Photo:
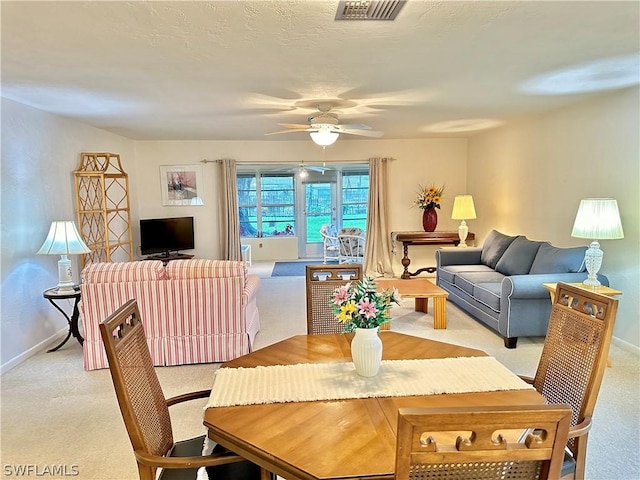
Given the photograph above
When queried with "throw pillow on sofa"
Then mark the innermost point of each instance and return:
(518, 257)
(494, 246)
(550, 259)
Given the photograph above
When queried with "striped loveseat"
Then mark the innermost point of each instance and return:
(193, 311)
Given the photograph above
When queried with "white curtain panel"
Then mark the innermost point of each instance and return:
(229, 219)
(377, 252)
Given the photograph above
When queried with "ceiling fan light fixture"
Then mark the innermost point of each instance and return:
(324, 137)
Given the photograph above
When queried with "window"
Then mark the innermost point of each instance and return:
(275, 201)
(266, 205)
(355, 195)
(247, 205)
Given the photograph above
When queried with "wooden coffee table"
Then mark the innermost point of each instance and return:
(422, 290)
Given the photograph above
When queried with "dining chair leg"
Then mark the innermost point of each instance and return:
(146, 473)
(581, 456)
(266, 474)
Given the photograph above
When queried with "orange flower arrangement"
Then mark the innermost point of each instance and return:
(429, 197)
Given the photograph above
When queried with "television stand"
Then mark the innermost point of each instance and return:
(167, 258)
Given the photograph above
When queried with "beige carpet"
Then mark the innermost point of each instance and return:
(54, 413)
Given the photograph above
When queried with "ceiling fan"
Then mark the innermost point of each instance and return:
(324, 128)
(303, 169)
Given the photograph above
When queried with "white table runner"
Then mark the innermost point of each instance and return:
(334, 381)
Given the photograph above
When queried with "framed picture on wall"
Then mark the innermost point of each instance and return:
(181, 184)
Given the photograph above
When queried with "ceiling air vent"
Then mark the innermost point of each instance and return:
(369, 9)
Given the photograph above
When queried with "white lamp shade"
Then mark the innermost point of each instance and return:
(63, 239)
(463, 208)
(197, 201)
(598, 218)
(324, 137)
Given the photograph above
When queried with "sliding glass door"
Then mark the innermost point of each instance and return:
(320, 207)
(285, 201)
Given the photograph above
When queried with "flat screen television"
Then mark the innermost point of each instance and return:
(166, 235)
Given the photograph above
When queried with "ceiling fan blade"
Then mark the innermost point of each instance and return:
(297, 130)
(317, 169)
(354, 126)
(299, 126)
(364, 133)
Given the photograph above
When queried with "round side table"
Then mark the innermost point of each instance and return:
(53, 296)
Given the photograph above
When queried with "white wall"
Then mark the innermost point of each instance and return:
(439, 161)
(528, 178)
(39, 154)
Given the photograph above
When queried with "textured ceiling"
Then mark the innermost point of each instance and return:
(233, 70)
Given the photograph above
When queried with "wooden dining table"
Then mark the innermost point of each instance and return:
(336, 439)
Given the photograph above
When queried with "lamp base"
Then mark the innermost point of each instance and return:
(65, 277)
(593, 262)
(463, 231)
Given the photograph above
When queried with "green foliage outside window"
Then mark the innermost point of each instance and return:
(274, 213)
(355, 198)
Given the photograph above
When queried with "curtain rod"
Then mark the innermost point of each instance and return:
(294, 162)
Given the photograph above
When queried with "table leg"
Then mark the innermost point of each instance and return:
(61, 343)
(439, 312)
(405, 261)
(72, 322)
(422, 305)
(75, 317)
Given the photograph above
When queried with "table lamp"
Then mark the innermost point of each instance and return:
(598, 219)
(463, 209)
(63, 239)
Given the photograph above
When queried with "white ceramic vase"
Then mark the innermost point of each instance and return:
(366, 351)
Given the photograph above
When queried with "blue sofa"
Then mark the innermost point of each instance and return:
(500, 284)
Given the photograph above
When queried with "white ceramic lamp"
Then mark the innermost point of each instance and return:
(598, 219)
(463, 209)
(63, 239)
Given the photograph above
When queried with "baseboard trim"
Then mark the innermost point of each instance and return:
(623, 344)
(43, 345)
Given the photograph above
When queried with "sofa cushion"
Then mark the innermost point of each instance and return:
(518, 257)
(203, 268)
(488, 294)
(467, 280)
(550, 259)
(448, 272)
(494, 246)
(123, 272)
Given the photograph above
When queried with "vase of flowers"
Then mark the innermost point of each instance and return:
(362, 309)
(366, 351)
(428, 200)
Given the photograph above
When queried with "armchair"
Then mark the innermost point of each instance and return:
(351, 241)
(330, 244)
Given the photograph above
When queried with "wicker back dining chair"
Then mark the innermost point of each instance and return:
(463, 443)
(573, 362)
(146, 414)
(321, 281)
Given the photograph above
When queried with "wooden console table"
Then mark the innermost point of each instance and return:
(424, 238)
